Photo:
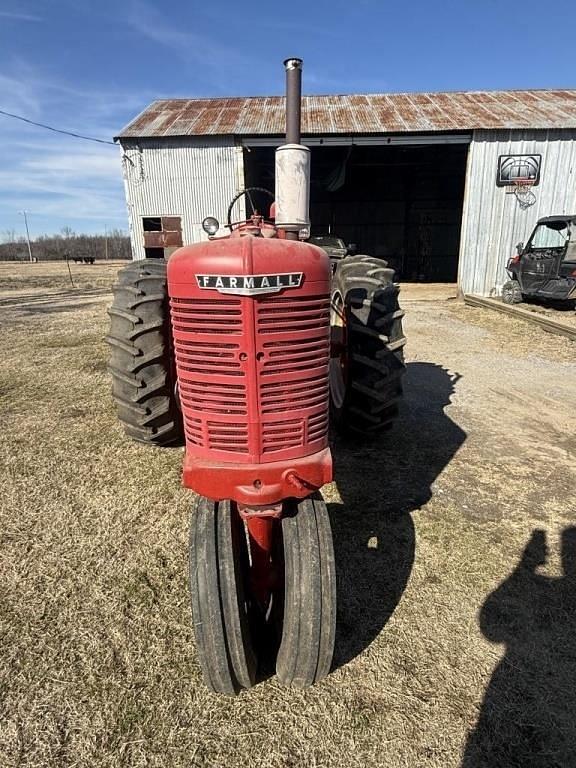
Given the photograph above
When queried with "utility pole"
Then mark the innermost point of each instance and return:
(27, 233)
(106, 243)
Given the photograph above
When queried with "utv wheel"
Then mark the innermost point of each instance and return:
(367, 365)
(220, 611)
(141, 361)
(309, 625)
(511, 293)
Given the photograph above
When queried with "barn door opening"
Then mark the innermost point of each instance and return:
(402, 203)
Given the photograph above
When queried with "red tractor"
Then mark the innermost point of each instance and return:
(239, 345)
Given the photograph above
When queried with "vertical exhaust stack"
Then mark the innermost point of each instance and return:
(293, 100)
(293, 161)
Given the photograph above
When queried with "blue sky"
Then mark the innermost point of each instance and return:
(90, 66)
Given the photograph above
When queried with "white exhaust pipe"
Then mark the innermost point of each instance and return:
(293, 162)
(293, 187)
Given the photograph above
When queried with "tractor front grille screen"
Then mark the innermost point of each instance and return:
(216, 315)
(211, 381)
(293, 372)
(253, 374)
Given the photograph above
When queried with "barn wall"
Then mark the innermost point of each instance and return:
(493, 221)
(191, 177)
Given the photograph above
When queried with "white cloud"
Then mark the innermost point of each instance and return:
(66, 184)
(219, 63)
(16, 16)
(93, 164)
(17, 96)
(61, 179)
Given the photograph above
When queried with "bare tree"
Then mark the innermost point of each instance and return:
(55, 247)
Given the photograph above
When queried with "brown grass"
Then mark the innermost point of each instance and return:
(50, 276)
(445, 628)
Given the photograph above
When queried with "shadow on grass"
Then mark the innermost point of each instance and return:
(528, 713)
(380, 485)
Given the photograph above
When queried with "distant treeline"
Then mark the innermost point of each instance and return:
(114, 245)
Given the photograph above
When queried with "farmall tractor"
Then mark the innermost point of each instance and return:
(242, 345)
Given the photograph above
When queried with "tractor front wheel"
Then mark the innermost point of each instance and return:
(309, 624)
(219, 570)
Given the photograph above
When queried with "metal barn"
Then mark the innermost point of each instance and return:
(428, 181)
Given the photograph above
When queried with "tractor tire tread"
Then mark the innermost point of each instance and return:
(131, 317)
(372, 389)
(140, 361)
(205, 596)
(221, 627)
(307, 645)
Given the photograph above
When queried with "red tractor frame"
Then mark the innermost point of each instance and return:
(242, 345)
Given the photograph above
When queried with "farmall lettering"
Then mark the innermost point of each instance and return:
(250, 285)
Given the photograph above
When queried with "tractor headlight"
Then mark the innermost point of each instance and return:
(210, 225)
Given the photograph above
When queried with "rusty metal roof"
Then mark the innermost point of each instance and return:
(371, 113)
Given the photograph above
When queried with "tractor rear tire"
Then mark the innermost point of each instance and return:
(366, 319)
(218, 569)
(141, 360)
(309, 625)
(511, 292)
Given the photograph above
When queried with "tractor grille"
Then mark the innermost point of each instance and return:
(294, 373)
(318, 426)
(210, 377)
(293, 395)
(206, 358)
(213, 398)
(280, 435)
(207, 316)
(228, 436)
(284, 315)
(288, 410)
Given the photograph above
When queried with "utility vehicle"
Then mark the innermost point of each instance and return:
(544, 268)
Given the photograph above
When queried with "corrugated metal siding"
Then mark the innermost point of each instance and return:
(191, 178)
(360, 113)
(493, 221)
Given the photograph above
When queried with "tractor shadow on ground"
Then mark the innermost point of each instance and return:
(380, 484)
(527, 716)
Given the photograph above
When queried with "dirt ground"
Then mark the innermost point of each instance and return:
(429, 291)
(455, 539)
(561, 312)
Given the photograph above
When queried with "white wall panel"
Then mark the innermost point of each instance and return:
(493, 221)
(188, 177)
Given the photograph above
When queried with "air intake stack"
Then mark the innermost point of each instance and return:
(293, 161)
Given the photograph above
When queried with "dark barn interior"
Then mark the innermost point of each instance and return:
(401, 203)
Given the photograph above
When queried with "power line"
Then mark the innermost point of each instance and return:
(56, 130)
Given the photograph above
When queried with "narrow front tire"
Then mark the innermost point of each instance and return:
(218, 589)
(309, 626)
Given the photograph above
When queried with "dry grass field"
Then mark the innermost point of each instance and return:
(455, 542)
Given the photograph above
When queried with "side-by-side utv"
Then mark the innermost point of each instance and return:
(242, 345)
(544, 268)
